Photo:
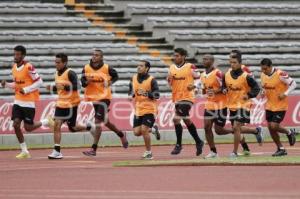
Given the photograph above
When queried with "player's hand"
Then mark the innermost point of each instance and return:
(48, 87)
(245, 97)
(3, 83)
(262, 94)
(22, 91)
(129, 98)
(107, 84)
(191, 87)
(210, 92)
(170, 79)
(225, 91)
(141, 92)
(282, 96)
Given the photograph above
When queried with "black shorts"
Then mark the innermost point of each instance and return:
(101, 109)
(275, 116)
(147, 120)
(68, 115)
(23, 113)
(183, 108)
(218, 116)
(240, 115)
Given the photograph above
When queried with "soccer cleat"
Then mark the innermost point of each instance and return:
(23, 155)
(124, 141)
(199, 148)
(156, 132)
(279, 152)
(292, 137)
(177, 149)
(91, 152)
(211, 155)
(147, 155)
(55, 155)
(246, 153)
(233, 155)
(260, 135)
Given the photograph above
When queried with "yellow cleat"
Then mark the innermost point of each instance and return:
(23, 155)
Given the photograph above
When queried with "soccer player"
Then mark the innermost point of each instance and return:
(243, 67)
(247, 130)
(97, 78)
(181, 79)
(67, 88)
(277, 85)
(240, 87)
(26, 84)
(215, 112)
(145, 92)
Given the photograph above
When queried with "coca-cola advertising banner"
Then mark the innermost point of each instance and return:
(121, 113)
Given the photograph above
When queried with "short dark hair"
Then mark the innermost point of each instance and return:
(21, 49)
(63, 57)
(237, 53)
(147, 64)
(266, 62)
(100, 51)
(181, 51)
(237, 57)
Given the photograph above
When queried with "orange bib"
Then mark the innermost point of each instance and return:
(66, 99)
(210, 81)
(181, 79)
(143, 105)
(237, 88)
(22, 79)
(273, 87)
(98, 88)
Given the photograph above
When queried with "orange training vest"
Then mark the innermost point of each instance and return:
(210, 81)
(273, 87)
(97, 90)
(66, 99)
(237, 88)
(22, 79)
(143, 105)
(181, 78)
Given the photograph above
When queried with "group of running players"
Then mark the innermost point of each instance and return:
(227, 95)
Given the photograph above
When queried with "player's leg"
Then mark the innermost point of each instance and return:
(274, 119)
(56, 153)
(193, 131)
(147, 123)
(209, 135)
(273, 129)
(237, 137)
(17, 117)
(178, 130)
(278, 117)
(121, 134)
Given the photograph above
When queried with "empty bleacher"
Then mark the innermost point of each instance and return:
(259, 29)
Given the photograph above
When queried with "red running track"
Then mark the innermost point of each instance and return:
(80, 177)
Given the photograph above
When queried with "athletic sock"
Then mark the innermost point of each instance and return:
(213, 149)
(57, 147)
(94, 147)
(24, 147)
(178, 130)
(245, 146)
(193, 131)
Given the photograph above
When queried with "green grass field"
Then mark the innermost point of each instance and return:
(224, 161)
